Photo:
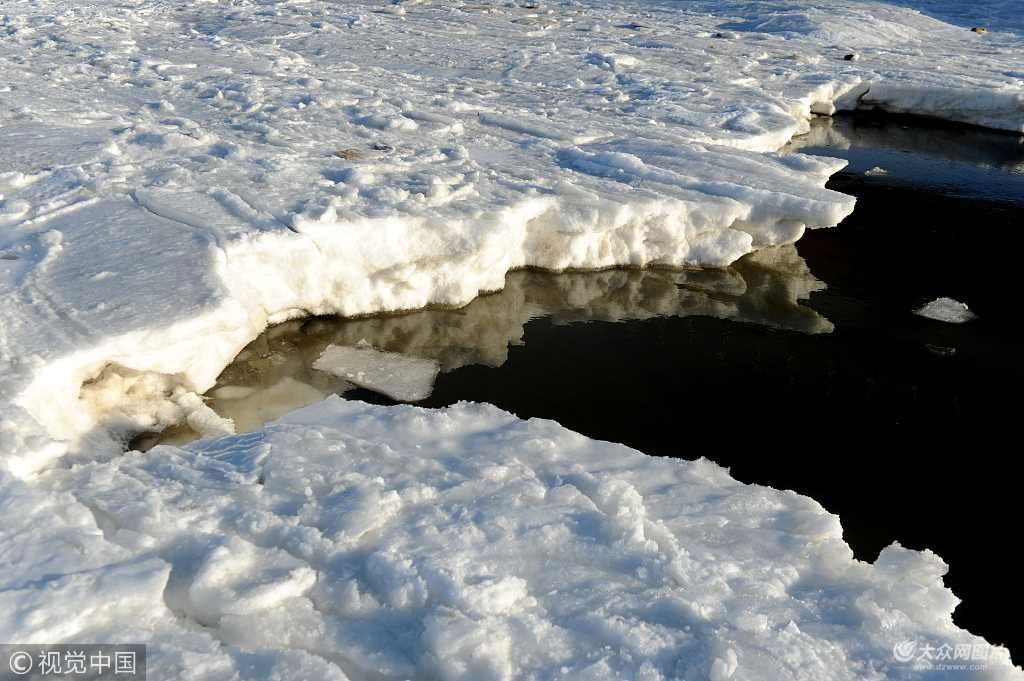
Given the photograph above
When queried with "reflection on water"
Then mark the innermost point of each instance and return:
(273, 375)
(951, 160)
(955, 143)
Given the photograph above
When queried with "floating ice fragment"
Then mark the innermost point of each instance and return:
(400, 377)
(876, 170)
(946, 310)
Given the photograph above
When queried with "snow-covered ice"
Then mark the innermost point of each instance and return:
(176, 176)
(946, 310)
(350, 540)
(400, 377)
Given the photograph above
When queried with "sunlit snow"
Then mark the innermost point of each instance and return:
(174, 177)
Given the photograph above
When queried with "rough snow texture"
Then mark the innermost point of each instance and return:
(353, 541)
(174, 177)
(266, 162)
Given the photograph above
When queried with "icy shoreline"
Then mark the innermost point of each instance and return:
(176, 178)
(263, 178)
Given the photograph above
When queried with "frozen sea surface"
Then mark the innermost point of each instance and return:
(993, 15)
(173, 178)
(463, 543)
(310, 158)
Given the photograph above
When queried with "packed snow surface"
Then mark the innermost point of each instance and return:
(176, 176)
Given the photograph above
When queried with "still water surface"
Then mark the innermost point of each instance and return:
(799, 367)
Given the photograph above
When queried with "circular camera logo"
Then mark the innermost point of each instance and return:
(21, 662)
(904, 651)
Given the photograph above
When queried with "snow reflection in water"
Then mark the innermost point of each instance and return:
(273, 375)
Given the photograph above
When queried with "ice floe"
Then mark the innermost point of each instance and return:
(400, 377)
(946, 310)
(339, 170)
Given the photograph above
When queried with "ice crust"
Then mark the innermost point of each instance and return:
(175, 177)
(340, 169)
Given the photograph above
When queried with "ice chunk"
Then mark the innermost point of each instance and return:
(946, 310)
(202, 419)
(239, 578)
(400, 377)
(940, 350)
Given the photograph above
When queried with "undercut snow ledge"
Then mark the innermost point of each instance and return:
(993, 105)
(111, 263)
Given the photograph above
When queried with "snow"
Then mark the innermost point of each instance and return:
(466, 543)
(998, 15)
(175, 177)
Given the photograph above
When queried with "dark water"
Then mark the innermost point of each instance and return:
(800, 368)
